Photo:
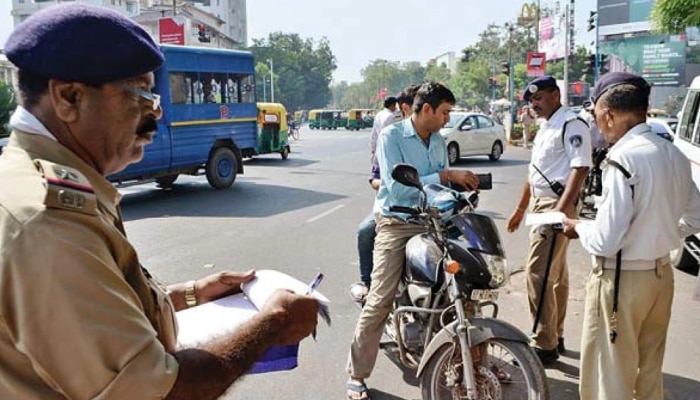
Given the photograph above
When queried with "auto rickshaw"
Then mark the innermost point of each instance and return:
(315, 119)
(328, 119)
(359, 118)
(272, 129)
(300, 117)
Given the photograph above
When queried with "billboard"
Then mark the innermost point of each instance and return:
(553, 37)
(622, 16)
(172, 30)
(660, 59)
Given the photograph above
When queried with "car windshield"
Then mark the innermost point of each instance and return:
(454, 119)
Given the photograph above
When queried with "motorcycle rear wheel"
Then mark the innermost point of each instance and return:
(510, 370)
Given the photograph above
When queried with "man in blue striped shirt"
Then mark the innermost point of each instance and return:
(414, 141)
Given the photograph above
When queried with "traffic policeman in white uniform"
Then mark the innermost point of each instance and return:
(630, 290)
(561, 157)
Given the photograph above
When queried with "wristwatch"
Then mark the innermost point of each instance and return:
(190, 297)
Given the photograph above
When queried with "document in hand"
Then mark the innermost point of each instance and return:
(207, 321)
(554, 218)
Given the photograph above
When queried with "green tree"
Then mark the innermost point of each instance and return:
(7, 105)
(673, 16)
(303, 69)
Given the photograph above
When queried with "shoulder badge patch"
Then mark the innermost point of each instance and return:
(67, 188)
(576, 140)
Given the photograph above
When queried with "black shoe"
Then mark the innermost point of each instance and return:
(560, 346)
(546, 356)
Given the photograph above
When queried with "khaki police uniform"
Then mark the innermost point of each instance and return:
(79, 317)
(554, 155)
(639, 217)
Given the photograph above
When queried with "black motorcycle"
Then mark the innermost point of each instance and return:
(452, 275)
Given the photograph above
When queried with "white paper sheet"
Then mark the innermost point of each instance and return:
(545, 218)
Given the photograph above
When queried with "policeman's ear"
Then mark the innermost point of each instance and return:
(65, 98)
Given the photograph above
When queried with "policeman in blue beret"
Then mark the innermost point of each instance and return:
(561, 157)
(649, 205)
(79, 317)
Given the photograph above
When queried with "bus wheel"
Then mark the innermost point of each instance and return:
(285, 152)
(166, 181)
(221, 168)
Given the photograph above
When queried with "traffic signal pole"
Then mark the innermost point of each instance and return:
(597, 54)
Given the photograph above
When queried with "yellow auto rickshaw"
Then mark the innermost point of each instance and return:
(315, 119)
(359, 118)
(272, 129)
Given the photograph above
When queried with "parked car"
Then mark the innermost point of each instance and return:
(664, 127)
(473, 134)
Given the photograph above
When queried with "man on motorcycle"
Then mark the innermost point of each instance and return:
(414, 141)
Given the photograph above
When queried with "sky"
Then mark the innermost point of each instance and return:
(361, 31)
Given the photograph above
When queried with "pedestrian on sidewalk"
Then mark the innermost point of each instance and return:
(527, 120)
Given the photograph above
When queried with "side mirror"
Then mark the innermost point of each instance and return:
(406, 174)
(467, 127)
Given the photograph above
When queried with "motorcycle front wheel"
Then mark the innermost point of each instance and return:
(507, 371)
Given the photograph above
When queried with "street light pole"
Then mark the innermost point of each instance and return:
(272, 80)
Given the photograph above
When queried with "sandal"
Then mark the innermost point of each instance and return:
(358, 292)
(357, 390)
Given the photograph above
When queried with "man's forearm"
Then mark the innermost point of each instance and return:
(524, 197)
(572, 188)
(208, 371)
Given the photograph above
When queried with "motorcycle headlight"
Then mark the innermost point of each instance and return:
(498, 267)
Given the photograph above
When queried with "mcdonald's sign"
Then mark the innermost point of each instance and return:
(528, 14)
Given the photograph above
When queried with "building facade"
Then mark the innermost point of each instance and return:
(211, 23)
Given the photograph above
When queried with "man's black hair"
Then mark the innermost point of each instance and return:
(390, 101)
(627, 97)
(434, 94)
(31, 88)
(408, 94)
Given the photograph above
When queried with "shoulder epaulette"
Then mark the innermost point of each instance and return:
(68, 188)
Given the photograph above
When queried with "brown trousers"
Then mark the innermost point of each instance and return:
(389, 260)
(631, 368)
(556, 295)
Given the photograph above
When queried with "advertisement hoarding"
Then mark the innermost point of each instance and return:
(660, 59)
(172, 30)
(622, 16)
(553, 37)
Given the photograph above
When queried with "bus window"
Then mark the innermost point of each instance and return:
(689, 116)
(247, 89)
(180, 91)
(232, 89)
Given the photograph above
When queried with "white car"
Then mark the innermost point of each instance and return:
(473, 134)
(663, 126)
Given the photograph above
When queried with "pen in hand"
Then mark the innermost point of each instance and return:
(312, 286)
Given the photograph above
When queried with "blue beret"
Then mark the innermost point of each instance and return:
(608, 81)
(82, 43)
(541, 83)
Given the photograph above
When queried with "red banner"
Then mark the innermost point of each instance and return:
(172, 31)
(536, 64)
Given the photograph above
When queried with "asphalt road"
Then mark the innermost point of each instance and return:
(300, 216)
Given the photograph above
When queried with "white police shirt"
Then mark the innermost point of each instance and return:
(555, 157)
(665, 207)
(383, 119)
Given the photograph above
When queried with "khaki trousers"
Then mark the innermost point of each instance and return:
(631, 368)
(389, 259)
(551, 323)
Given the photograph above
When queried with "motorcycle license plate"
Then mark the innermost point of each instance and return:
(484, 295)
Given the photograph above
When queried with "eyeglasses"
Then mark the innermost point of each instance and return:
(151, 97)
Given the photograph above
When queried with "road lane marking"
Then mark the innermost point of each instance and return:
(324, 214)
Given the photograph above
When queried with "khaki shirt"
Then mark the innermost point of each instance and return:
(79, 317)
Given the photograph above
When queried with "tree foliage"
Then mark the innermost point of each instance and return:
(673, 16)
(303, 69)
(7, 105)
